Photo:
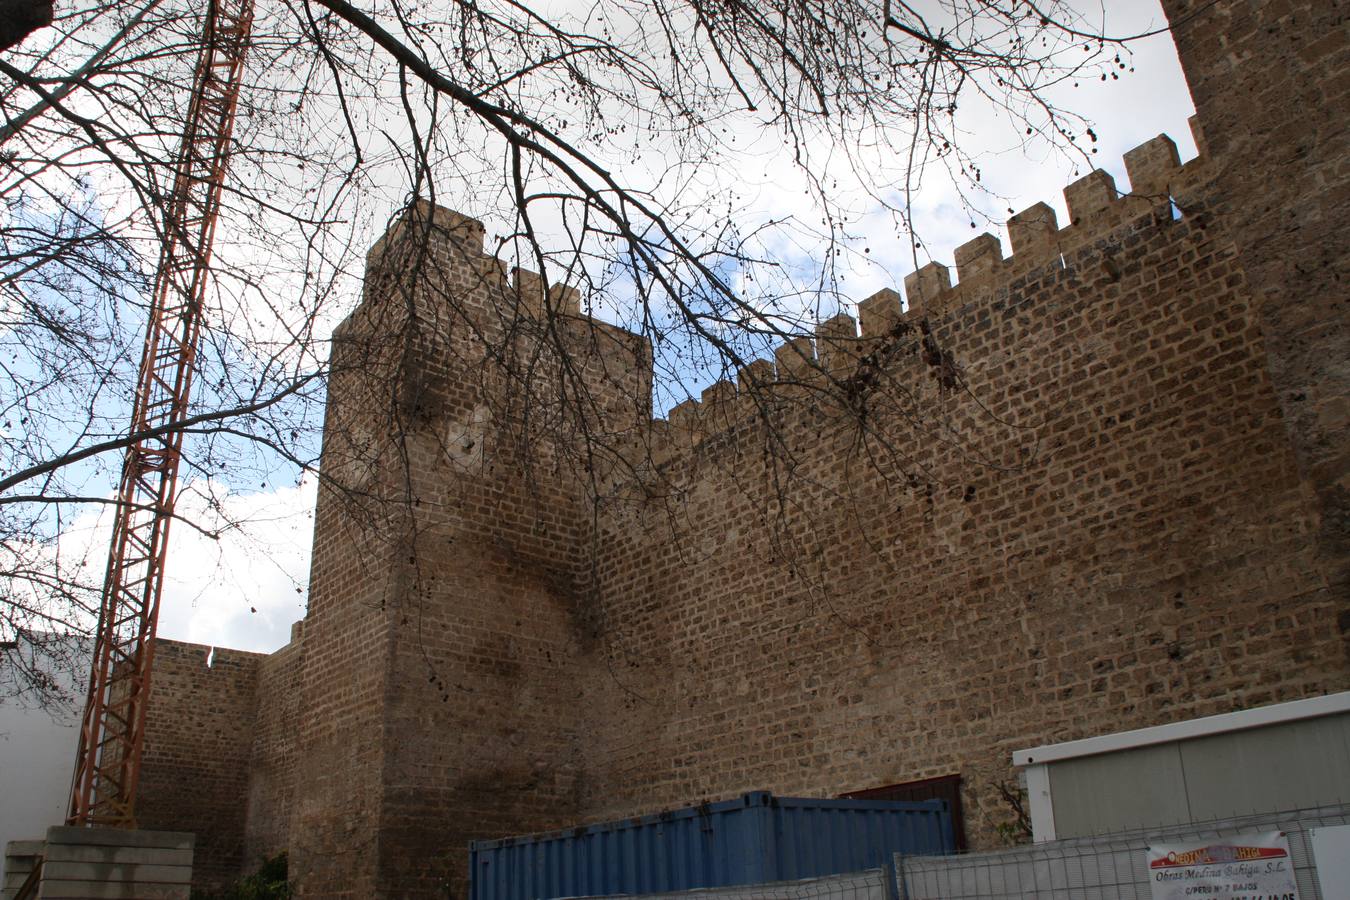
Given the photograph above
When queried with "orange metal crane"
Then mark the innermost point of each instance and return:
(108, 766)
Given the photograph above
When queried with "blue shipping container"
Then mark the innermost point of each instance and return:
(751, 840)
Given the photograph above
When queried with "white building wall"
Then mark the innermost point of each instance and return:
(37, 759)
(37, 756)
(1276, 758)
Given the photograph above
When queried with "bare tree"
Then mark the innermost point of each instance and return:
(599, 142)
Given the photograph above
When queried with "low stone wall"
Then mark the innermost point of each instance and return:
(198, 737)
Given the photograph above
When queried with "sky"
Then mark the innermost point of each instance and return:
(242, 590)
(245, 590)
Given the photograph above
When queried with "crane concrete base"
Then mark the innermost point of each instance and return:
(76, 863)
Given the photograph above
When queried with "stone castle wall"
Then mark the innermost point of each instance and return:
(274, 758)
(1271, 82)
(1096, 485)
(1100, 526)
(195, 766)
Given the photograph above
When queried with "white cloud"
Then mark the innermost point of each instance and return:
(245, 589)
(1153, 99)
(242, 590)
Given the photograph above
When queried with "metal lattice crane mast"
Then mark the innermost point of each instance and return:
(108, 766)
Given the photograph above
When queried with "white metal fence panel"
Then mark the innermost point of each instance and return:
(1106, 867)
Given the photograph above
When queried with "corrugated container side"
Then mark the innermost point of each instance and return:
(754, 839)
(827, 837)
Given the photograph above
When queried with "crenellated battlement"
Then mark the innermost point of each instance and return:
(807, 366)
(456, 239)
(1098, 210)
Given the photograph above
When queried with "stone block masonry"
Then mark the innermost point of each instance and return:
(1094, 485)
(1097, 524)
(195, 770)
(1271, 82)
(274, 761)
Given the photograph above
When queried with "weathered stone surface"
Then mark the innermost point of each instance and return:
(1111, 494)
(1270, 83)
(195, 767)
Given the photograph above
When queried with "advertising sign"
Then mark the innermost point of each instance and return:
(1242, 867)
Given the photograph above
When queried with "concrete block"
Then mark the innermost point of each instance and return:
(119, 837)
(135, 856)
(113, 872)
(106, 890)
(97, 863)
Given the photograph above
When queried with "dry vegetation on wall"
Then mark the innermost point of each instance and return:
(592, 145)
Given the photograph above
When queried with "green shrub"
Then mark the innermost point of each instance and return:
(268, 883)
